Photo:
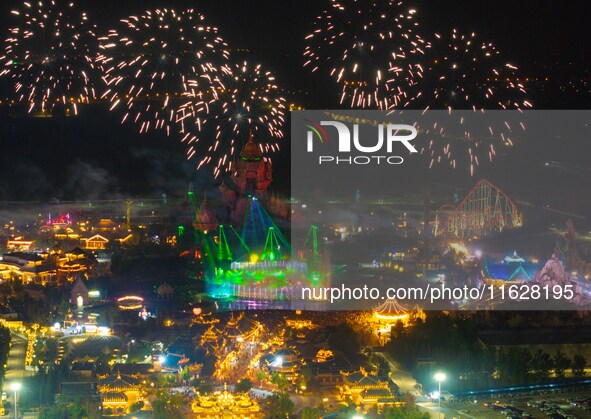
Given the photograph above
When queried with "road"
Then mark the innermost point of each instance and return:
(15, 366)
(403, 379)
(445, 413)
(406, 383)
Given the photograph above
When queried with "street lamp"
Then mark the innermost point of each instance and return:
(439, 377)
(15, 386)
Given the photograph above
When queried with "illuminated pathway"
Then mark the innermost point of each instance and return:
(403, 379)
(15, 366)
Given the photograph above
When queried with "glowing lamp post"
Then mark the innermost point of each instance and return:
(439, 377)
(16, 387)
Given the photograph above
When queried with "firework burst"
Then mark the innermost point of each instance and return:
(463, 73)
(369, 48)
(148, 60)
(216, 123)
(50, 56)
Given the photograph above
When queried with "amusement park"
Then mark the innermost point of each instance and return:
(336, 209)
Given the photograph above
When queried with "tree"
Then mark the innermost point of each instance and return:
(541, 364)
(159, 408)
(57, 411)
(87, 407)
(166, 407)
(209, 366)
(561, 364)
(279, 380)
(117, 263)
(64, 307)
(113, 246)
(261, 376)
(185, 374)
(311, 413)
(81, 408)
(383, 367)
(409, 399)
(307, 374)
(398, 330)
(346, 411)
(403, 413)
(176, 400)
(513, 365)
(202, 386)
(278, 406)
(344, 333)
(243, 386)
(578, 365)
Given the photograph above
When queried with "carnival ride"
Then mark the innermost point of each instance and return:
(486, 209)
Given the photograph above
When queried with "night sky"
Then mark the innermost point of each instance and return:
(93, 156)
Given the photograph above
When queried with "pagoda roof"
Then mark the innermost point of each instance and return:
(134, 368)
(284, 352)
(82, 261)
(79, 285)
(31, 257)
(381, 392)
(211, 334)
(118, 383)
(362, 379)
(114, 396)
(240, 326)
(76, 251)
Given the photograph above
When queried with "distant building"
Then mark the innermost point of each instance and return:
(140, 371)
(74, 262)
(367, 390)
(66, 233)
(205, 218)
(100, 241)
(35, 294)
(119, 392)
(513, 268)
(165, 291)
(253, 172)
(106, 224)
(29, 267)
(94, 242)
(223, 404)
(211, 343)
(286, 361)
(252, 176)
(71, 392)
(83, 370)
(79, 294)
(241, 328)
(19, 244)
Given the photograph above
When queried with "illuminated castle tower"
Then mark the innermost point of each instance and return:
(252, 176)
(253, 172)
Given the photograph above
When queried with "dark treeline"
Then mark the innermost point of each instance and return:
(453, 345)
(4, 348)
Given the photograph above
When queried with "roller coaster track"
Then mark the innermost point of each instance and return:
(486, 209)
